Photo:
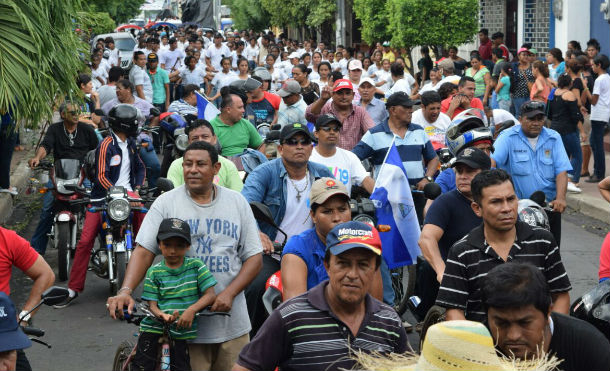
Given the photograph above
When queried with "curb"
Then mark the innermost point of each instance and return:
(594, 207)
(19, 178)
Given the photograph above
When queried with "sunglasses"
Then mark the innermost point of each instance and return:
(294, 142)
(327, 129)
(73, 112)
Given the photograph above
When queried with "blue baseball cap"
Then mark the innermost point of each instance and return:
(351, 235)
(11, 336)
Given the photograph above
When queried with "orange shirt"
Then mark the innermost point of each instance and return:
(474, 103)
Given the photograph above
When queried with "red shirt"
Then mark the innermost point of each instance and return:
(275, 100)
(485, 50)
(604, 258)
(474, 103)
(14, 251)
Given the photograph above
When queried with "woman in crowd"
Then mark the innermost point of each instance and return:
(566, 119)
(223, 78)
(324, 77)
(556, 64)
(482, 78)
(366, 64)
(92, 101)
(309, 90)
(523, 78)
(503, 87)
(277, 72)
(435, 78)
(316, 59)
(376, 59)
(542, 86)
(243, 67)
(191, 73)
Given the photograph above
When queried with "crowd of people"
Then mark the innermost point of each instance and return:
(479, 260)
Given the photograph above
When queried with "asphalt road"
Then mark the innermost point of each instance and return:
(84, 337)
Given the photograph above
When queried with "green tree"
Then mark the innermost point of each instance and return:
(98, 23)
(417, 22)
(299, 13)
(39, 56)
(249, 14)
(374, 17)
(120, 10)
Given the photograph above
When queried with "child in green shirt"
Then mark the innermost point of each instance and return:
(176, 289)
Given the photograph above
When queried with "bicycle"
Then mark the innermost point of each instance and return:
(126, 351)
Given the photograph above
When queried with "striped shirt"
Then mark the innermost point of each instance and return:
(175, 289)
(471, 258)
(413, 148)
(304, 334)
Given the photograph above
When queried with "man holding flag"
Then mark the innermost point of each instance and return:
(397, 148)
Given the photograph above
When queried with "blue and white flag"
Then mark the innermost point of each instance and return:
(205, 109)
(395, 207)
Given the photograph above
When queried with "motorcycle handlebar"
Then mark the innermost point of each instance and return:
(33, 331)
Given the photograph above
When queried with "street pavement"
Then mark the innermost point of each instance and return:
(82, 335)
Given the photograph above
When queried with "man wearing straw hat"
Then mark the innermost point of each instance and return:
(322, 328)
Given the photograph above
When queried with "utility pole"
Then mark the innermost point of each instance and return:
(340, 23)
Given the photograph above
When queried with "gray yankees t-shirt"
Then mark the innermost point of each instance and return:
(223, 235)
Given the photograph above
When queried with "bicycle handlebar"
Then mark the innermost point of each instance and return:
(33, 331)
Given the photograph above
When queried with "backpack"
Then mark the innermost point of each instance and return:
(514, 77)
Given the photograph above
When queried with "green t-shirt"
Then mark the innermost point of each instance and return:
(158, 81)
(234, 139)
(227, 177)
(175, 289)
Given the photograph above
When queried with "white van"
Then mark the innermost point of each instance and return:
(125, 42)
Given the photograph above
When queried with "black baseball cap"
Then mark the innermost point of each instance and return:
(152, 57)
(532, 109)
(400, 98)
(326, 119)
(474, 158)
(290, 130)
(174, 227)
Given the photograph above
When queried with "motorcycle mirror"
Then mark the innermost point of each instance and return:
(262, 213)
(154, 112)
(432, 191)
(54, 295)
(164, 185)
(273, 135)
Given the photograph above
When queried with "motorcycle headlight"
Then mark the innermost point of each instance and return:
(364, 218)
(182, 141)
(119, 209)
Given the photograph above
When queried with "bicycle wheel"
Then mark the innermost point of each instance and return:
(435, 315)
(403, 284)
(122, 355)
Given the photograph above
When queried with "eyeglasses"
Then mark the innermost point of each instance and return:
(294, 142)
(532, 106)
(327, 129)
(73, 113)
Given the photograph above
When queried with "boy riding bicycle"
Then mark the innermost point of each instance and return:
(176, 289)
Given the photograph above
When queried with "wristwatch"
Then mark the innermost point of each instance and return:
(429, 178)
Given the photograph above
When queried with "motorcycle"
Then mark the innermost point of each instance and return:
(594, 307)
(68, 208)
(173, 138)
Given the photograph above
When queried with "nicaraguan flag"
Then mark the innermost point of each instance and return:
(395, 207)
(205, 109)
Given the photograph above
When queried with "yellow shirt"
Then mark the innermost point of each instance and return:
(389, 56)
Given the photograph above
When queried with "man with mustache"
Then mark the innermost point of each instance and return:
(500, 239)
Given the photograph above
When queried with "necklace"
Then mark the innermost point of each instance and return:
(299, 191)
(71, 136)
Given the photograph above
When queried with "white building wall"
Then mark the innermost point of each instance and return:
(574, 23)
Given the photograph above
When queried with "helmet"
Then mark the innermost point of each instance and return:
(466, 128)
(124, 118)
(533, 214)
(89, 165)
(594, 307)
(262, 72)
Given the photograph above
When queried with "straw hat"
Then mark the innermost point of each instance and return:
(455, 346)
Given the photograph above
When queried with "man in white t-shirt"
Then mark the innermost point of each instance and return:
(498, 116)
(600, 114)
(215, 52)
(344, 165)
(139, 78)
(172, 58)
(401, 82)
(430, 117)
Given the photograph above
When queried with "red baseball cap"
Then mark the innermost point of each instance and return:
(342, 84)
